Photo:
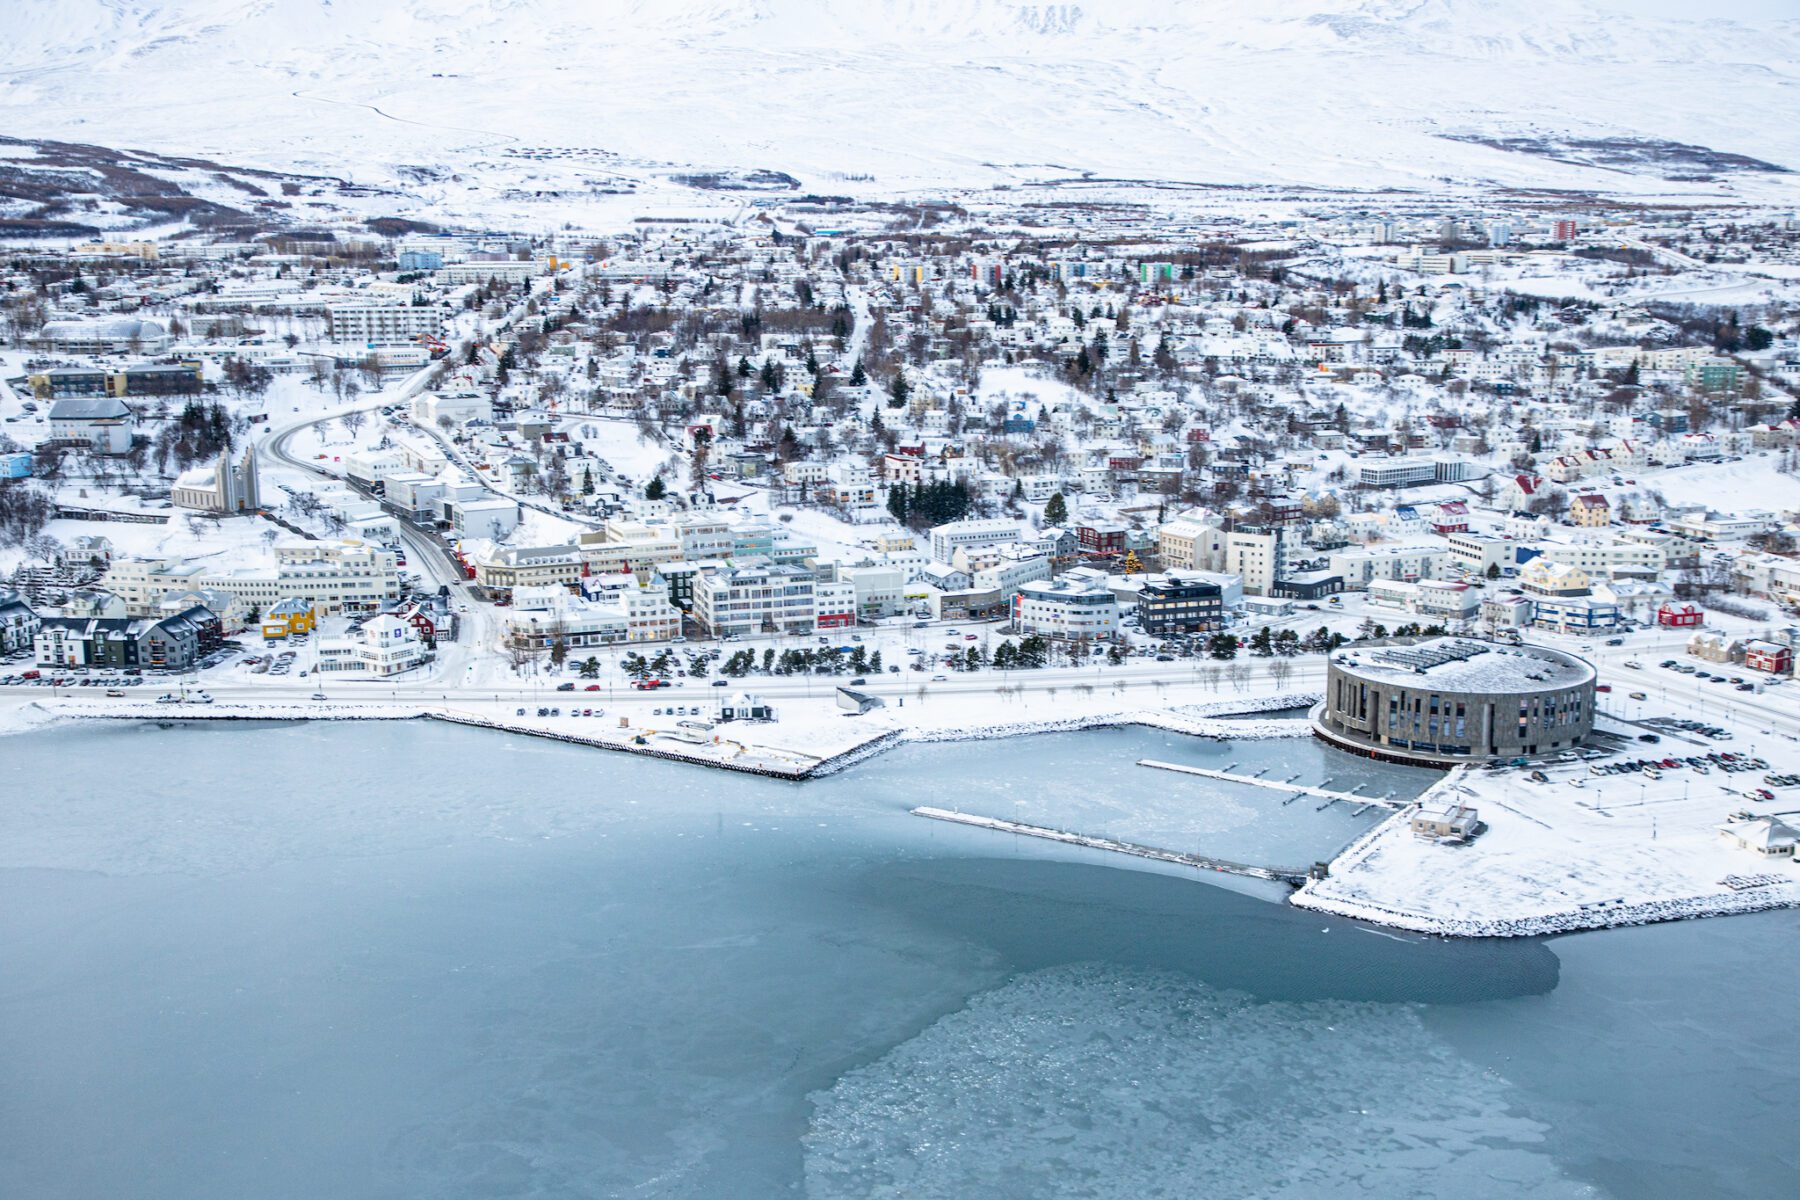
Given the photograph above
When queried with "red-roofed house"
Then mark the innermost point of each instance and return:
(1679, 616)
(1452, 516)
(1519, 492)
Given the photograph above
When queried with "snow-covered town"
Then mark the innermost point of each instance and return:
(948, 599)
(766, 493)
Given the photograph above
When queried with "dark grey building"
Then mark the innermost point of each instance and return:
(1443, 701)
(1178, 605)
(173, 643)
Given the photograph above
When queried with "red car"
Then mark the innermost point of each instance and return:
(592, 687)
(1605, 687)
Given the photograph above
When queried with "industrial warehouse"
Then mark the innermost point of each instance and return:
(1444, 701)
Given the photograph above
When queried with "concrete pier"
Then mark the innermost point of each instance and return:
(1289, 875)
(1293, 789)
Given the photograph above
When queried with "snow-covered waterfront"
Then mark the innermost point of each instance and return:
(1557, 857)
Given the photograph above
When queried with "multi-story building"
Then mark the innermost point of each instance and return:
(381, 647)
(541, 616)
(747, 600)
(147, 379)
(103, 426)
(1715, 376)
(505, 568)
(947, 539)
(1066, 609)
(18, 623)
(1478, 553)
(335, 577)
(880, 588)
(1590, 510)
(628, 546)
(1175, 604)
(170, 643)
(382, 324)
(1362, 565)
(1104, 538)
(506, 271)
(1604, 555)
(835, 601)
(1191, 544)
(1562, 598)
(1446, 701)
(1259, 556)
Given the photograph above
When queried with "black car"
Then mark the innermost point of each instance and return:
(1649, 737)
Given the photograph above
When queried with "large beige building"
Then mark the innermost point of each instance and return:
(334, 577)
(1191, 544)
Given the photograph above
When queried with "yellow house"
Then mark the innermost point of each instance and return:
(287, 618)
(1590, 510)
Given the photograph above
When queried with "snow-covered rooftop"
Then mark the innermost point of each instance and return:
(1463, 665)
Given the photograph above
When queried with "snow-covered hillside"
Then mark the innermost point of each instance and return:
(889, 95)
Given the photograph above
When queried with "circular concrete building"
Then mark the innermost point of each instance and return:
(1443, 701)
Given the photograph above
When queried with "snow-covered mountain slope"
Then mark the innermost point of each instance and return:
(890, 95)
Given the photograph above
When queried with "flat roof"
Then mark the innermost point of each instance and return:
(1461, 664)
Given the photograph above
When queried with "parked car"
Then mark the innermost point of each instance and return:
(565, 687)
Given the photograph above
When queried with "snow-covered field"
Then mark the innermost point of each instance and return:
(582, 110)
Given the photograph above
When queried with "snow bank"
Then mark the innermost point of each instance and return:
(1199, 720)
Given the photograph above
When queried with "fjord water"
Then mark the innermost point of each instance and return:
(405, 960)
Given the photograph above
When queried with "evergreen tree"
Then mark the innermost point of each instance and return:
(655, 489)
(897, 397)
(858, 376)
(1056, 512)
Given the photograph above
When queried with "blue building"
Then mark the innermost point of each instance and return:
(420, 260)
(16, 465)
